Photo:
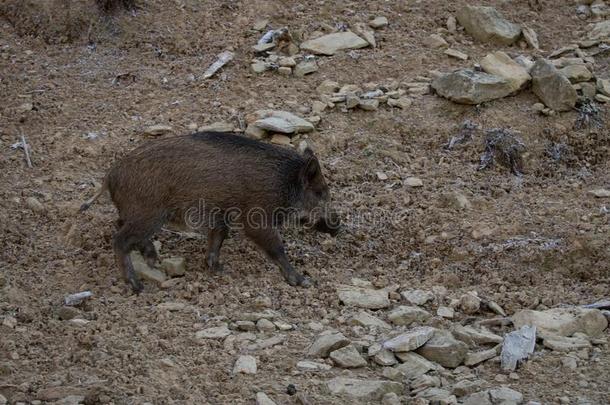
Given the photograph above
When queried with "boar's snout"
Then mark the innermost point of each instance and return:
(330, 224)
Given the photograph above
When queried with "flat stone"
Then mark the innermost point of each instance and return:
(287, 62)
(563, 321)
(474, 337)
(384, 357)
(171, 306)
(265, 325)
(347, 357)
(454, 53)
(565, 344)
(267, 343)
(247, 326)
(501, 65)
(530, 37)
(284, 70)
(600, 31)
(364, 297)
(283, 122)
(600, 193)
(332, 43)
(217, 332)
(443, 349)
(437, 396)
(470, 303)
(553, 88)
(245, 364)
(255, 316)
(414, 182)
(367, 390)
(445, 312)
(255, 132)
(417, 297)
(263, 399)
(486, 24)
(365, 319)
(378, 22)
(467, 387)
(143, 271)
(174, 266)
(576, 73)
(569, 362)
(390, 399)
(517, 346)
(305, 67)
(469, 87)
(35, 205)
(280, 139)
(263, 47)
(363, 31)
(401, 102)
(406, 315)
(368, 105)
(259, 67)
(157, 130)
(505, 396)
(413, 365)
(474, 358)
(327, 343)
(306, 365)
(588, 90)
(435, 41)
(603, 86)
(328, 87)
(411, 340)
(602, 99)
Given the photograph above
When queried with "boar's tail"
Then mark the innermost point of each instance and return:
(90, 201)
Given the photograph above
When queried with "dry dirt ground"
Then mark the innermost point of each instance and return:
(133, 352)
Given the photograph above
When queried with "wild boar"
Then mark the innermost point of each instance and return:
(215, 181)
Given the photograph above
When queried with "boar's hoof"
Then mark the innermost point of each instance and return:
(136, 284)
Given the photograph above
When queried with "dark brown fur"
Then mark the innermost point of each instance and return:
(190, 177)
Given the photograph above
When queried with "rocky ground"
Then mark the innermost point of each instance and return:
(467, 150)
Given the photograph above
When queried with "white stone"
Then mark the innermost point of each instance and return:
(332, 43)
(217, 332)
(406, 315)
(263, 399)
(245, 364)
(347, 357)
(563, 321)
(410, 340)
(501, 65)
(364, 297)
(326, 343)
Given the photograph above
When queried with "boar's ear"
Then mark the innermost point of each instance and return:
(310, 169)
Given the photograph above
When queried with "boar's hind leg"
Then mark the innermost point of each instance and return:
(270, 242)
(148, 251)
(216, 236)
(134, 234)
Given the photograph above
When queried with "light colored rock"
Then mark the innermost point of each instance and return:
(366, 390)
(474, 337)
(347, 357)
(142, 269)
(363, 31)
(263, 47)
(171, 306)
(470, 303)
(517, 345)
(526, 62)
(332, 43)
(216, 332)
(435, 41)
(306, 365)
(280, 139)
(174, 266)
(247, 326)
(414, 182)
(284, 70)
(245, 364)
(569, 362)
(368, 104)
(390, 398)
(365, 319)
(287, 61)
(603, 86)
(265, 325)
(413, 365)
(486, 24)
(327, 343)
(259, 67)
(255, 132)
(467, 387)
(501, 65)
(454, 53)
(406, 315)
(3, 400)
(443, 349)
(282, 121)
(364, 297)
(451, 24)
(566, 344)
(401, 102)
(495, 396)
(469, 87)
(378, 22)
(157, 130)
(474, 358)
(410, 340)
(445, 312)
(576, 73)
(384, 357)
(600, 193)
(553, 88)
(602, 99)
(263, 399)
(305, 67)
(417, 297)
(327, 87)
(33, 204)
(437, 396)
(563, 321)
(530, 37)
(600, 31)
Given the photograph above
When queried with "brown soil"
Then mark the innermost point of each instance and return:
(66, 69)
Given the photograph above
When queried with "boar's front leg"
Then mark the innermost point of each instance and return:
(216, 236)
(269, 240)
